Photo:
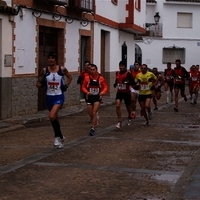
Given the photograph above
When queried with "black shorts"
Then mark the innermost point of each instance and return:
(170, 83)
(142, 98)
(179, 86)
(126, 96)
(90, 100)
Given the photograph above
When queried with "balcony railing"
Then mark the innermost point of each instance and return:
(87, 5)
(154, 30)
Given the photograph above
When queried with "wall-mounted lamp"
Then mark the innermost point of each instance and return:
(157, 17)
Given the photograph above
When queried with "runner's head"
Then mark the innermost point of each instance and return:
(144, 68)
(122, 66)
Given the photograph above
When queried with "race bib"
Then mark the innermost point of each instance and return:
(53, 86)
(194, 78)
(144, 86)
(94, 91)
(121, 86)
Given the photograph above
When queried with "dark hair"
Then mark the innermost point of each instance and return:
(93, 65)
(87, 61)
(178, 60)
(137, 62)
(169, 63)
(51, 54)
(122, 63)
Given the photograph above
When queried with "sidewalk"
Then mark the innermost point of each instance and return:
(20, 121)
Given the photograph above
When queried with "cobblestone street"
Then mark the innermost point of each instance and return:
(134, 163)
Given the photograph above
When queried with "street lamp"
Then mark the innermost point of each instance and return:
(157, 17)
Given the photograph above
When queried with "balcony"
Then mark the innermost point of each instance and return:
(154, 30)
(83, 5)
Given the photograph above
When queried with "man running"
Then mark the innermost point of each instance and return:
(147, 81)
(134, 69)
(180, 74)
(52, 77)
(169, 82)
(157, 89)
(123, 82)
(194, 83)
(94, 86)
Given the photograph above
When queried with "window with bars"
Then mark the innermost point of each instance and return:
(170, 54)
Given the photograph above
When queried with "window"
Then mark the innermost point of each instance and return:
(87, 4)
(138, 4)
(184, 20)
(114, 1)
(170, 54)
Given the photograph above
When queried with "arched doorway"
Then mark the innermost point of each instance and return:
(138, 54)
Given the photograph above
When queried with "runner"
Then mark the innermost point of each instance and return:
(80, 80)
(94, 86)
(179, 82)
(134, 69)
(169, 82)
(147, 81)
(123, 82)
(157, 90)
(52, 78)
(194, 83)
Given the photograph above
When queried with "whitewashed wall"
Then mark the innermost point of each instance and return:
(113, 12)
(25, 43)
(113, 47)
(6, 45)
(152, 53)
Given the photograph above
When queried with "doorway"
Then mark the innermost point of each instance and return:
(138, 54)
(48, 41)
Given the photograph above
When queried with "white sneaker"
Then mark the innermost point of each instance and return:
(118, 125)
(56, 141)
(61, 144)
(167, 100)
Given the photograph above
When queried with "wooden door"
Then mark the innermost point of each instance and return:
(47, 42)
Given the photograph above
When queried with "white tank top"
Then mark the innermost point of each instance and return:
(54, 82)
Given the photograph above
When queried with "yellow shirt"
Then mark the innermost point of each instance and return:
(145, 81)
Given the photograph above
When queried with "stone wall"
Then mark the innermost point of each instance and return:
(25, 95)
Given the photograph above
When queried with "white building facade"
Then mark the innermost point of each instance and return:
(99, 31)
(176, 36)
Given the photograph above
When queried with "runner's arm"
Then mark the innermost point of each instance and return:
(68, 75)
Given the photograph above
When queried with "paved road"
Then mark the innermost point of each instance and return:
(160, 161)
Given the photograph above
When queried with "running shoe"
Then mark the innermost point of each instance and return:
(146, 123)
(92, 132)
(129, 122)
(175, 109)
(56, 141)
(133, 115)
(156, 108)
(150, 115)
(167, 100)
(61, 143)
(90, 121)
(119, 124)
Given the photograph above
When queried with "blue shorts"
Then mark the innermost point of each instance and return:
(53, 100)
